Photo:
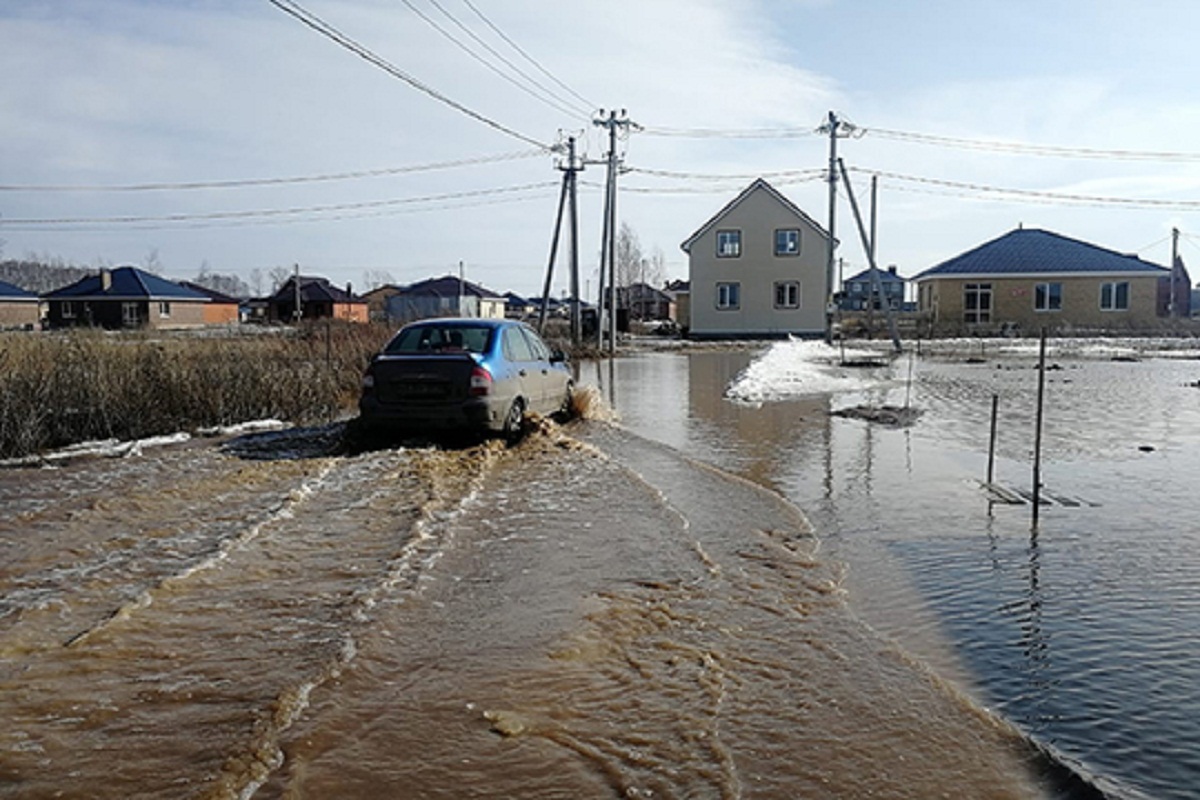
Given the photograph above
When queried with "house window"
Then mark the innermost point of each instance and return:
(787, 294)
(977, 303)
(68, 309)
(129, 315)
(787, 242)
(1047, 297)
(729, 295)
(1114, 296)
(164, 308)
(729, 244)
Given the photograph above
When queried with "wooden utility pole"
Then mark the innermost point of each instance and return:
(1037, 430)
(834, 127)
(871, 296)
(1173, 310)
(615, 121)
(562, 201)
(862, 232)
(297, 313)
(574, 210)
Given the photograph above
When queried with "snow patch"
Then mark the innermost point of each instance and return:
(798, 367)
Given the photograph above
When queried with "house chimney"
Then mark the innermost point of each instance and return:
(105, 279)
(349, 292)
(892, 269)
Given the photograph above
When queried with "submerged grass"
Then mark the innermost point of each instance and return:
(63, 388)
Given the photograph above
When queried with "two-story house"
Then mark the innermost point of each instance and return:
(859, 292)
(757, 268)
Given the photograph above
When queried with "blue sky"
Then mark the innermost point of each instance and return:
(132, 92)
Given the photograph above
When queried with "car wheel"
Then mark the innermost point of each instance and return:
(512, 422)
(567, 410)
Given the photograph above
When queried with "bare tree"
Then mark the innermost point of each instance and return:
(256, 281)
(279, 276)
(374, 278)
(152, 263)
(629, 256)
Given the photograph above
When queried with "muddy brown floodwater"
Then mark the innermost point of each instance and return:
(587, 614)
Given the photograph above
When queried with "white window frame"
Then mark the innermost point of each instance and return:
(791, 294)
(68, 309)
(1113, 287)
(791, 242)
(982, 316)
(729, 243)
(130, 317)
(1045, 294)
(729, 296)
(164, 308)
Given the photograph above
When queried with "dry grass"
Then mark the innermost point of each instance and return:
(81, 385)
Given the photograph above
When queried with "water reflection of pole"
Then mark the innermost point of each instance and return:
(1036, 642)
(1037, 432)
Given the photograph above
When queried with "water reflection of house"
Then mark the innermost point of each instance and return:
(18, 308)
(319, 299)
(125, 297)
(758, 268)
(1028, 279)
(444, 297)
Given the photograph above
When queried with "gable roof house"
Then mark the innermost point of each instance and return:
(319, 299)
(448, 296)
(18, 308)
(858, 291)
(757, 269)
(125, 297)
(1028, 279)
(377, 300)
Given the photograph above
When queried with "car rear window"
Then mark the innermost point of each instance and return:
(440, 339)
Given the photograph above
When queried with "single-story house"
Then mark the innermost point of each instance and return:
(221, 309)
(319, 299)
(858, 291)
(125, 297)
(448, 296)
(757, 268)
(680, 291)
(1028, 279)
(377, 300)
(518, 307)
(18, 308)
(644, 302)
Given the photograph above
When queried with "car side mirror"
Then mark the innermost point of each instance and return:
(557, 357)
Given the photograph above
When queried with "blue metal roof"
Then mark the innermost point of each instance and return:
(1029, 251)
(126, 282)
(11, 292)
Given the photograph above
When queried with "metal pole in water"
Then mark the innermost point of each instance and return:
(992, 441)
(1037, 431)
(908, 385)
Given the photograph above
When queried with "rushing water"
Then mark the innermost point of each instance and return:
(598, 613)
(1085, 632)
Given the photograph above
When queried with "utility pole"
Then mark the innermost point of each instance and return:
(615, 121)
(574, 211)
(562, 201)
(298, 313)
(462, 289)
(834, 127)
(1173, 309)
(862, 232)
(874, 274)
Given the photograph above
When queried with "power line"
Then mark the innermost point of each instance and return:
(231, 184)
(271, 212)
(1032, 149)
(587, 103)
(294, 9)
(582, 110)
(1033, 195)
(732, 133)
(555, 104)
(786, 173)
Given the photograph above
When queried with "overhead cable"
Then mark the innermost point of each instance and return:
(232, 184)
(7, 222)
(1034, 195)
(587, 103)
(732, 133)
(311, 20)
(584, 110)
(1032, 149)
(552, 103)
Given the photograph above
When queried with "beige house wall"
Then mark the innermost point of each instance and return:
(492, 308)
(1013, 302)
(757, 270)
(183, 314)
(19, 314)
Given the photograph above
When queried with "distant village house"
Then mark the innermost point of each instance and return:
(447, 296)
(125, 297)
(19, 309)
(318, 298)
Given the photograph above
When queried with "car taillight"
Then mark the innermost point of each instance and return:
(481, 382)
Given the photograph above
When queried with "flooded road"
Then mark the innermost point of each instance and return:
(589, 614)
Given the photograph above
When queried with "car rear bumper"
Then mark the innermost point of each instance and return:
(476, 414)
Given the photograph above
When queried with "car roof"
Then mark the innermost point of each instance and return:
(476, 322)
